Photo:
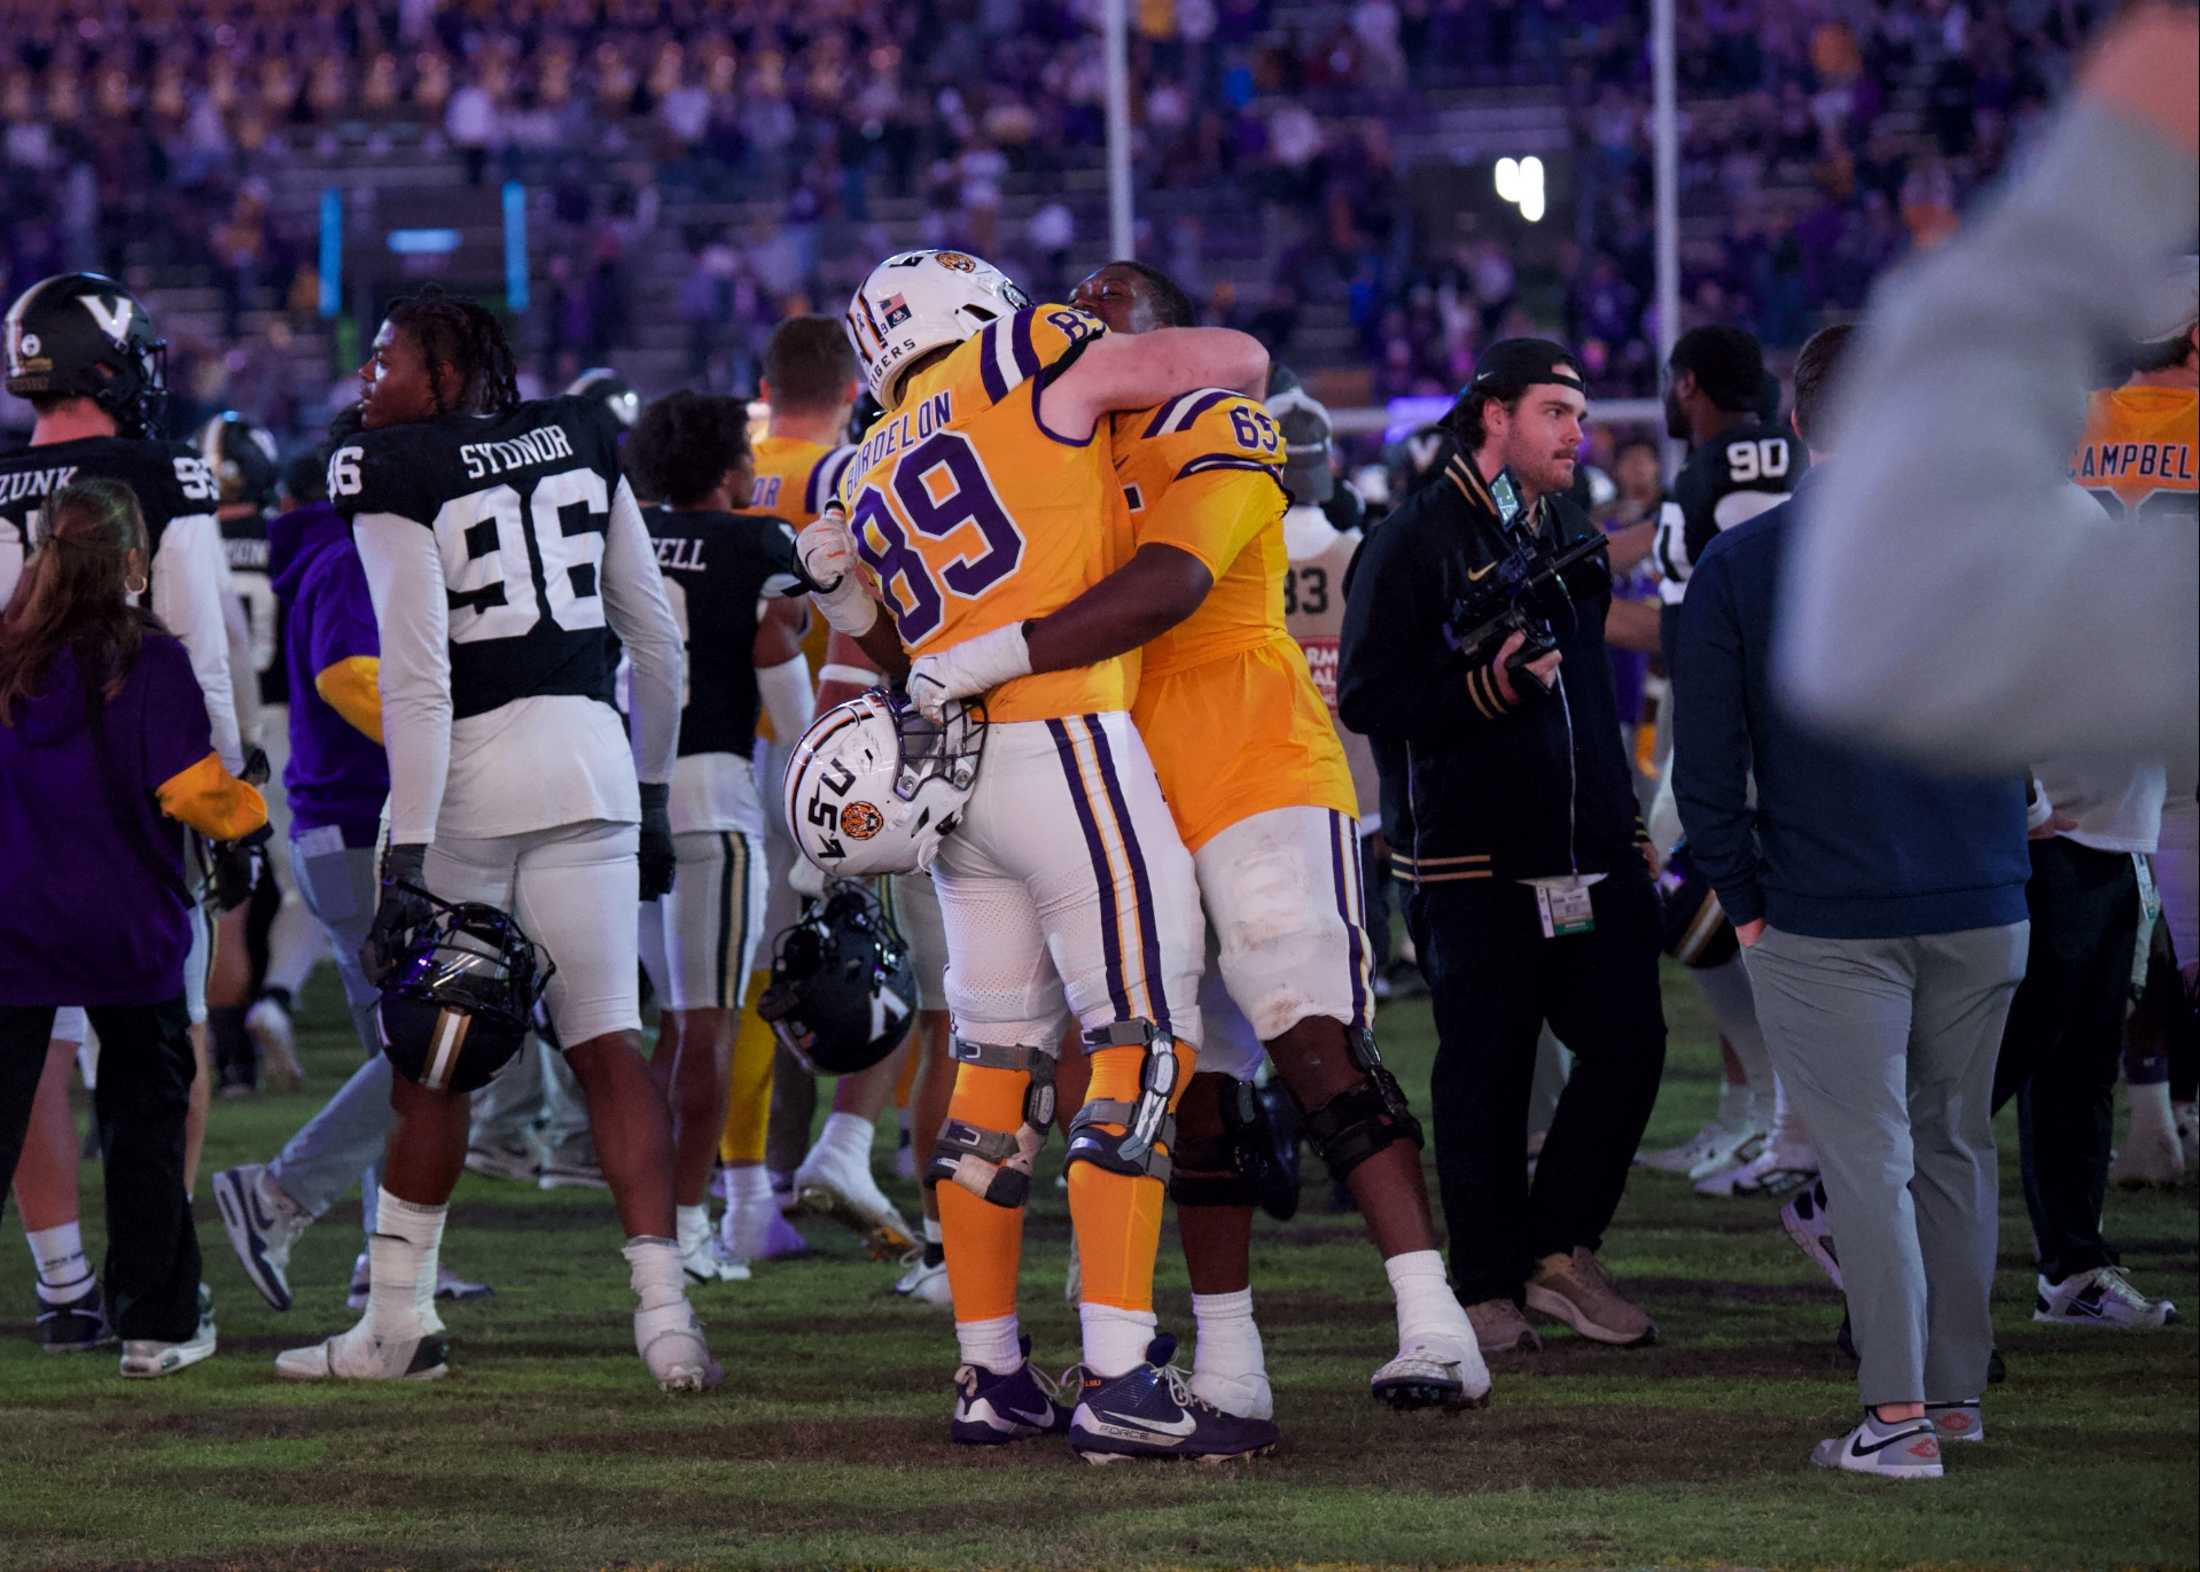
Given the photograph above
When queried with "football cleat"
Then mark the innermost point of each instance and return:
(1773, 1171)
(700, 1260)
(516, 1160)
(267, 1023)
(448, 1285)
(1806, 1222)
(1717, 1145)
(925, 1281)
(1963, 1421)
(1151, 1411)
(76, 1327)
(670, 1341)
(1428, 1375)
(144, 1359)
(1904, 1449)
(361, 1355)
(830, 1184)
(2103, 1297)
(263, 1225)
(994, 1407)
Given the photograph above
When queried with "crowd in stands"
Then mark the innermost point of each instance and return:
(1823, 139)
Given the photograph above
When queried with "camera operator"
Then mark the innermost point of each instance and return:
(1474, 637)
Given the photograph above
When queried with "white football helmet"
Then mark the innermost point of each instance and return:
(874, 787)
(915, 302)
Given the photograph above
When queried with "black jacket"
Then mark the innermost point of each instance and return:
(1495, 791)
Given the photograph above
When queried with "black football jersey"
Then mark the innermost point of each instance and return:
(170, 479)
(716, 567)
(1733, 477)
(520, 505)
(244, 542)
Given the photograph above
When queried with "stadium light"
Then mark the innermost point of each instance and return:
(1520, 182)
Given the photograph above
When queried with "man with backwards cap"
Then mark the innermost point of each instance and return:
(1531, 893)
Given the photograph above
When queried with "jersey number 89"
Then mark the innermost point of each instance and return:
(942, 488)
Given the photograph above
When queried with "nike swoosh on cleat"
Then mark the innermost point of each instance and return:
(1042, 1421)
(1179, 1427)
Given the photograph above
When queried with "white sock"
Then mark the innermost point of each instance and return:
(402, 1256)
(994, 1345)
(1229, 1339)
(749, 1211)
(932, 1230)
(692, 1225)
(1789, 1132)
(848, 1135)
(653, 1271)
(1428, 1311)
(1735, 1103)
(1115, 1340)
(64, 1271)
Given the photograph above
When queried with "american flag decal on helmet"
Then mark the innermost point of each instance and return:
(897, 311)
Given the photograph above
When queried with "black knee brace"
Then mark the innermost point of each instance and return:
(1362, 1120)
(995, 1165)
(1227, 1158)
(1148, 1126)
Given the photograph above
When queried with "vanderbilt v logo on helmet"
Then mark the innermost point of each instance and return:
(843, 988)
(874, 787)
(457, 1007)
(82, 335)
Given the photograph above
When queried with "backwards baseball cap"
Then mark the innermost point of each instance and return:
(1511, 366)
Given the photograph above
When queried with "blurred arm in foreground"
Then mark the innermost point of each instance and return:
(1943, 605)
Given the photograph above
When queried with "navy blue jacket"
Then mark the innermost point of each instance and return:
(1841, 844)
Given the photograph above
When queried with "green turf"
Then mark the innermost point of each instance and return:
(548, 1448)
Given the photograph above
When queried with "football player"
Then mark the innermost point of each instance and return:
(242, 456)
(1271, 825)
(725, 576)
(1739, 464)
(503, 551)
(83, 350)
(984, 497)
(809, 385)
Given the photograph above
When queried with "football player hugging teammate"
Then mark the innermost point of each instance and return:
(84, 352)
(984, 497)
(503, 551)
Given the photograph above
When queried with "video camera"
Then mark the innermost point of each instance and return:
(1533, 585)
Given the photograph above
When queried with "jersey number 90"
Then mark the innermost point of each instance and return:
(941, 487)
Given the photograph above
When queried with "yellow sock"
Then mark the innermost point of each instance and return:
(984, 1242)
(749, 1082)
(1117, 1217)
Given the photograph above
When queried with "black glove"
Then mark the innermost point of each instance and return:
(236, 868)
(657, 855)
(256, 767)
(403, 908)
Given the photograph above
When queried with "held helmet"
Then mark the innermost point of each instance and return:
(874, 787)
(456, 1009)
(602, 385)
(244, 457)
(918, 301)
(82, 335)
(843, 988)
(1694, 925)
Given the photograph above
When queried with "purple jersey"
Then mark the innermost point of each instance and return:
(96, 912)
(337, 776)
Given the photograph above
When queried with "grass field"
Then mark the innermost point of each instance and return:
(547, 1447)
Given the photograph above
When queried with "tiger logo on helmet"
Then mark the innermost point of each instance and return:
(919, 301)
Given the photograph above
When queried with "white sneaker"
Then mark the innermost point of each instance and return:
(362, 1355)
(1964, 1421)
(267, 1024)
(1247, 1396)
(1717, 1145)
(517, 1160)
(670, 1341)
(144, 1359)
(925, 1281)
(1903, 1449)
(829, 1183)
(699, 1256)
(2102, 1297)
(263, 1224)
(1773, 1171)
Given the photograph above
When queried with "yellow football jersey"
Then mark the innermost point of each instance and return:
(970, 514)
(794, 481)
(2136, 457)
(1225, 702)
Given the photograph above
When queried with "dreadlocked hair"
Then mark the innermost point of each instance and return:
(74, 595)
(465, 335)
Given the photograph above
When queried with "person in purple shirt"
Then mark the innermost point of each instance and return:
(336, 779)
(106, 753)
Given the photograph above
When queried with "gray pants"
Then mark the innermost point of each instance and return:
(1888, 1046)
(342, 1144)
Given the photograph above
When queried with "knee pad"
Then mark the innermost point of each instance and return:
(995, 1165)
(1230, 1158)
(1361, 1120)
(1149, 1128)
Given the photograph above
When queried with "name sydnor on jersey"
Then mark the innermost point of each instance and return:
(538, 446)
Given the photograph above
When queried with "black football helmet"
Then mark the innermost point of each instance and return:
(843, 989)
(457, 1007)
(244, 457)
(1694, 925)
(602, 385)
(82, 335)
